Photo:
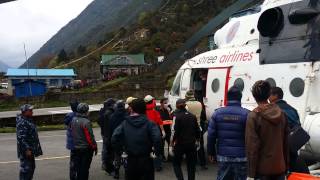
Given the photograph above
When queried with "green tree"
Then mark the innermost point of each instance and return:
(81, 50)
(62, 56)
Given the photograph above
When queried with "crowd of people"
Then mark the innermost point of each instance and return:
(140, 136)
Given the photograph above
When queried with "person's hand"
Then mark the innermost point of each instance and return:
(212, 159)
(171, 153)
(29, 154)
(250, 178)
(153, 155)
(95, 151)
(163, 134)
(198, 145)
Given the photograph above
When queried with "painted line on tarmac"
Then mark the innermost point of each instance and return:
(40, 159)
(48, 136)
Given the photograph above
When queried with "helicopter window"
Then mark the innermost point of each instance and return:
(297, 87)
(239, 83)
(272, 82)
(215, 85)
(176, 85)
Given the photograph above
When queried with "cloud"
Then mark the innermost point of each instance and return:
(33, 22)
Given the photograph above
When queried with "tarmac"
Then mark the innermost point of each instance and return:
(48, 111)
(54, 164)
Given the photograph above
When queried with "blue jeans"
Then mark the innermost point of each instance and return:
(232, 170)
(27, 167)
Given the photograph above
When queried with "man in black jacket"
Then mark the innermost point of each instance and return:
(186, 134)
(138, 135)
(104, 117)
(116, 119)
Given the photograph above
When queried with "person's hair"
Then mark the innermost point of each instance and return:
(276, 91)
(139, 106)
(261, 90)
(163, 100)
(234, 93)
(74, 104)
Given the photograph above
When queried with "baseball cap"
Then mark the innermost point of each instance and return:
(130, 99)
(26, 107)
(148, 98)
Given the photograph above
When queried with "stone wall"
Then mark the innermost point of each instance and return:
(102, 95)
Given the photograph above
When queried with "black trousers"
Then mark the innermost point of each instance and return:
(140, 168)
(201, 153)
(191, 156)
(166, 139)
(82, 160)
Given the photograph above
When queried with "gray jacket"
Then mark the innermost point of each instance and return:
(83, 137)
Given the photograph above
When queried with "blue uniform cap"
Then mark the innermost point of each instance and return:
(26, 107)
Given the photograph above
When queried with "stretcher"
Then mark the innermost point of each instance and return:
(301, 176)
(167, 122)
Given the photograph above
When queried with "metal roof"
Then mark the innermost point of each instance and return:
(40, 72)
(128, 59)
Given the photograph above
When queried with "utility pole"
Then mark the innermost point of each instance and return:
(29, 80)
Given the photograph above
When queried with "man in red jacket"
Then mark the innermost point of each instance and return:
(155, 117)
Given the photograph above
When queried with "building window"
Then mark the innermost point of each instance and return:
(54, 82)
(272, 82)
(215, 85)
(239, 83)
(296, 87)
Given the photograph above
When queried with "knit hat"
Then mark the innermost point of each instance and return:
(234, 93)
(83, 108)
(138, 106)
(148, 98)
(119, 105)
(108, 103)
(189, 95)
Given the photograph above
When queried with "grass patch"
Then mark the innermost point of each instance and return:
(170, 81)
(9, 106)
(41, 128)
(102, 86)
(112, 83)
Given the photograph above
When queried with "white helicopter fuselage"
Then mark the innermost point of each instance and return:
(236, 62)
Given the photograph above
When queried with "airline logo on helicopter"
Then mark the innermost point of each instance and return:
(231, 57)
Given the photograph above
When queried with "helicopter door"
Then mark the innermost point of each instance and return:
(216, 89)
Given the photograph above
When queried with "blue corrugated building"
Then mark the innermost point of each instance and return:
(35, 82)
(29, 88)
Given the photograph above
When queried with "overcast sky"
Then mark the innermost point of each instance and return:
(33, 22)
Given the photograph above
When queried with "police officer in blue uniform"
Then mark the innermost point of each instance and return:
(28, 144)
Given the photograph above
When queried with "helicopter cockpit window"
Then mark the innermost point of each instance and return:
(175, 90)
(297, 87)
(239, 83)
(272, 82)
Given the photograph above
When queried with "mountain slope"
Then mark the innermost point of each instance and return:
(91, 26)
(3, 67)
